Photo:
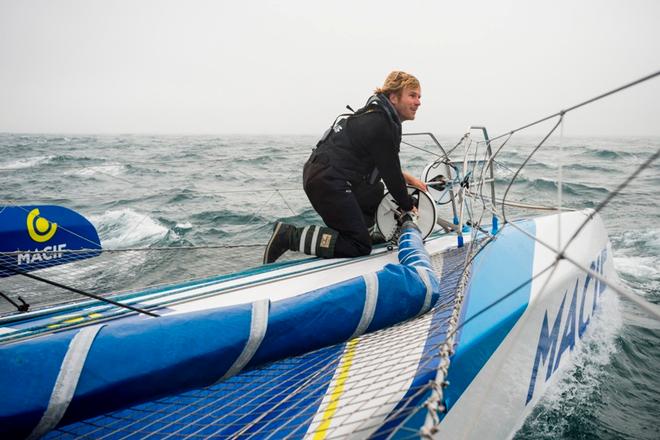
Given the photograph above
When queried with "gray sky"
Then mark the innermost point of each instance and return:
(216, 67)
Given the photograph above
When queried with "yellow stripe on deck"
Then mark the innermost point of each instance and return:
(74, 320)
(337, 391)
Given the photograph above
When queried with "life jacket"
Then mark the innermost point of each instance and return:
(355, 162)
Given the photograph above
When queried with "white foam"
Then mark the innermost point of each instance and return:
(112, 170)
(24, 163)
(653, 239)
(126, 228)
(633, 238)
(184, 225)
(638, 267)
(582, 377)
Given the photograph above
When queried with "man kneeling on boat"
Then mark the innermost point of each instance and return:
(342, 177)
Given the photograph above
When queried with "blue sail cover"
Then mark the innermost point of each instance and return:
(36, 237)
(76, 374)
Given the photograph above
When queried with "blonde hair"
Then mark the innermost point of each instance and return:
(396, 81)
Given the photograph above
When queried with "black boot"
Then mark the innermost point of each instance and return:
(314, 240)
(279, 242)
(310, 240)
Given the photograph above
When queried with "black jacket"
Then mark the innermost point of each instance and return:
(365, 147)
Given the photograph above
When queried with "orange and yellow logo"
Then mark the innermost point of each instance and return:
(39, 228)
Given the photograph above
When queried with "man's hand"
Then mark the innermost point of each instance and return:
(414, 181)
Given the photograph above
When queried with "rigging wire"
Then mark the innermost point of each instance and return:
(581, 104)
(286, 203)
(651, 308)
(560, 179)
(435, 402)
(422, 149)
(552, 130)
(613, 194)
(75, 290)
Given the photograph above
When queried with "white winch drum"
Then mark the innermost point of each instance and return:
(388, 211)
(431, 172)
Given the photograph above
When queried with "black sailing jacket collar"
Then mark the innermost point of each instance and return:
(384, 103)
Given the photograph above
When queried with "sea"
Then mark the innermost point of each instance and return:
(222, 194)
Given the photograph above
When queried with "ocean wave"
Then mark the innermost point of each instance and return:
(27, 162)
(577, 166)
(184, 225)
(643, 268)
(226, 217)
(535, 165)
(640, 272)
(571, 188)
(231, 226)
(638, 241)
(110, 169)
(260, 160)
(124, 228)
(637, 261)
(140, 169)
(609, 154)
(66, 159)
(58, 139)
(182, 196)
(605, 154)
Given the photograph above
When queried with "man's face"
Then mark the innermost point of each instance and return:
(406, 105)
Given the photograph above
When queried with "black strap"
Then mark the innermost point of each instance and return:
(331, 129)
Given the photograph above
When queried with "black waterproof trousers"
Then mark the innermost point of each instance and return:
(348, 209)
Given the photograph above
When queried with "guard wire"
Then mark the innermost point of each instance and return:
(75, 290)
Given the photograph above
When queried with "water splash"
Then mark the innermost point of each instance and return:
(27, 162)
(567, 410)
(110, 169)
(127, 228)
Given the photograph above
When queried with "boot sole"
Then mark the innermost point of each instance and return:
(270, 242)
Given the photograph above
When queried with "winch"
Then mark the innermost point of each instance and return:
(389, 214)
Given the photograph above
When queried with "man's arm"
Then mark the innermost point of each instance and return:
(414, 181)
